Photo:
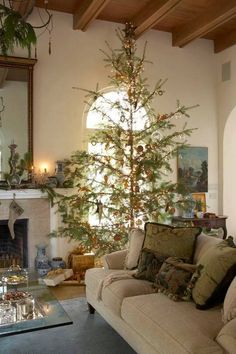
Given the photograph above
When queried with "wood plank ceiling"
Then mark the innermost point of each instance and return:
(187, 20)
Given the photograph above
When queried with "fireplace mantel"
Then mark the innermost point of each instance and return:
(22, 194)
(31, 193)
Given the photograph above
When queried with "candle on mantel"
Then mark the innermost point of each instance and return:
(44, 168)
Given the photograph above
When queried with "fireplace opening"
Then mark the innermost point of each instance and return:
(14, 251)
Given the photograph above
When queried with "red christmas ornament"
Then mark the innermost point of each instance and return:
(117, 237)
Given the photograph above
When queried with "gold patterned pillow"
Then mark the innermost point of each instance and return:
(171, 241)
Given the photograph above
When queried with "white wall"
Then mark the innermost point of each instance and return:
(229, 163)
(76, 60)
(226, 100)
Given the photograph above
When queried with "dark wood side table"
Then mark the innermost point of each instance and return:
(208, 223)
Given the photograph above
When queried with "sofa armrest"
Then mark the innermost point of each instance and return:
(227, 337)
(115, 260)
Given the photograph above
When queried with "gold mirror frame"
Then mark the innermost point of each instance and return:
(28, 64)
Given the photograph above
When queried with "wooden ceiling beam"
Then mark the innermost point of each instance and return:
(213, 17)
(224, 41)
(87, 12)
(153, 13)
(23, 7)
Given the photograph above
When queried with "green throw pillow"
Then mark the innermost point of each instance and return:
(171, 241)
(149, 265)
(173, 279)
(218, 269)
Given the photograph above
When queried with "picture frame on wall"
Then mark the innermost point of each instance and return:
(192, 168)
(200, 201)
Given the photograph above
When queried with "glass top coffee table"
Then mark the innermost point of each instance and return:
(47, 312)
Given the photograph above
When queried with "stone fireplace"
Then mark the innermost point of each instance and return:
(36, 210)
(41, 220)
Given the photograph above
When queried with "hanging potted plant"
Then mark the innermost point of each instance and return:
(15, 31)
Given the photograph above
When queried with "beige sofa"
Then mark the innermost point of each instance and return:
(151, 322)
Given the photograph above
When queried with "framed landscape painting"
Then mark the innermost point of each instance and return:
(193, 168)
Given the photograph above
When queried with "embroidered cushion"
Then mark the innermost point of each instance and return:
(149, 265)
(171, 241)
(173, 279)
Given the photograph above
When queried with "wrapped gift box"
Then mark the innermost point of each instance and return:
(80, 263)
(57, 276)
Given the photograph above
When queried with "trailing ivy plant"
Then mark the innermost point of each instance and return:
(15, 31)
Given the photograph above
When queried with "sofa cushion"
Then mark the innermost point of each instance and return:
(115, 260)
(114, 294)
(218, 269)
(227, 337)
(171, 241)
(136, 238)
(203, 244)
(229, 306)
(149, 265)
(173, 279)
(173, 327)
(94, 278)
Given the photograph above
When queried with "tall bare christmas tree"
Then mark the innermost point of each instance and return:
(125, 183)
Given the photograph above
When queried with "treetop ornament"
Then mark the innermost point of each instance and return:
(126, 179)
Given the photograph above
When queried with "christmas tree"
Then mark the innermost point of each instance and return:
(125, 183)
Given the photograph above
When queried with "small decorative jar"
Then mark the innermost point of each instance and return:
(57, 262)
(41, 260)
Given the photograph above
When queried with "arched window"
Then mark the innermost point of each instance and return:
(110, 109)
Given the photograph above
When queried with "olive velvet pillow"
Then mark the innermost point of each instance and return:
(171, 241)
(218, 270)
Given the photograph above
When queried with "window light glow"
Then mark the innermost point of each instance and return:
(108, 110)
(113, 108)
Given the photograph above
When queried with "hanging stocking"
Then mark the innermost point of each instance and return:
(15, 211)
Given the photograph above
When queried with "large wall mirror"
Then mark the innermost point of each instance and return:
(16, 107)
